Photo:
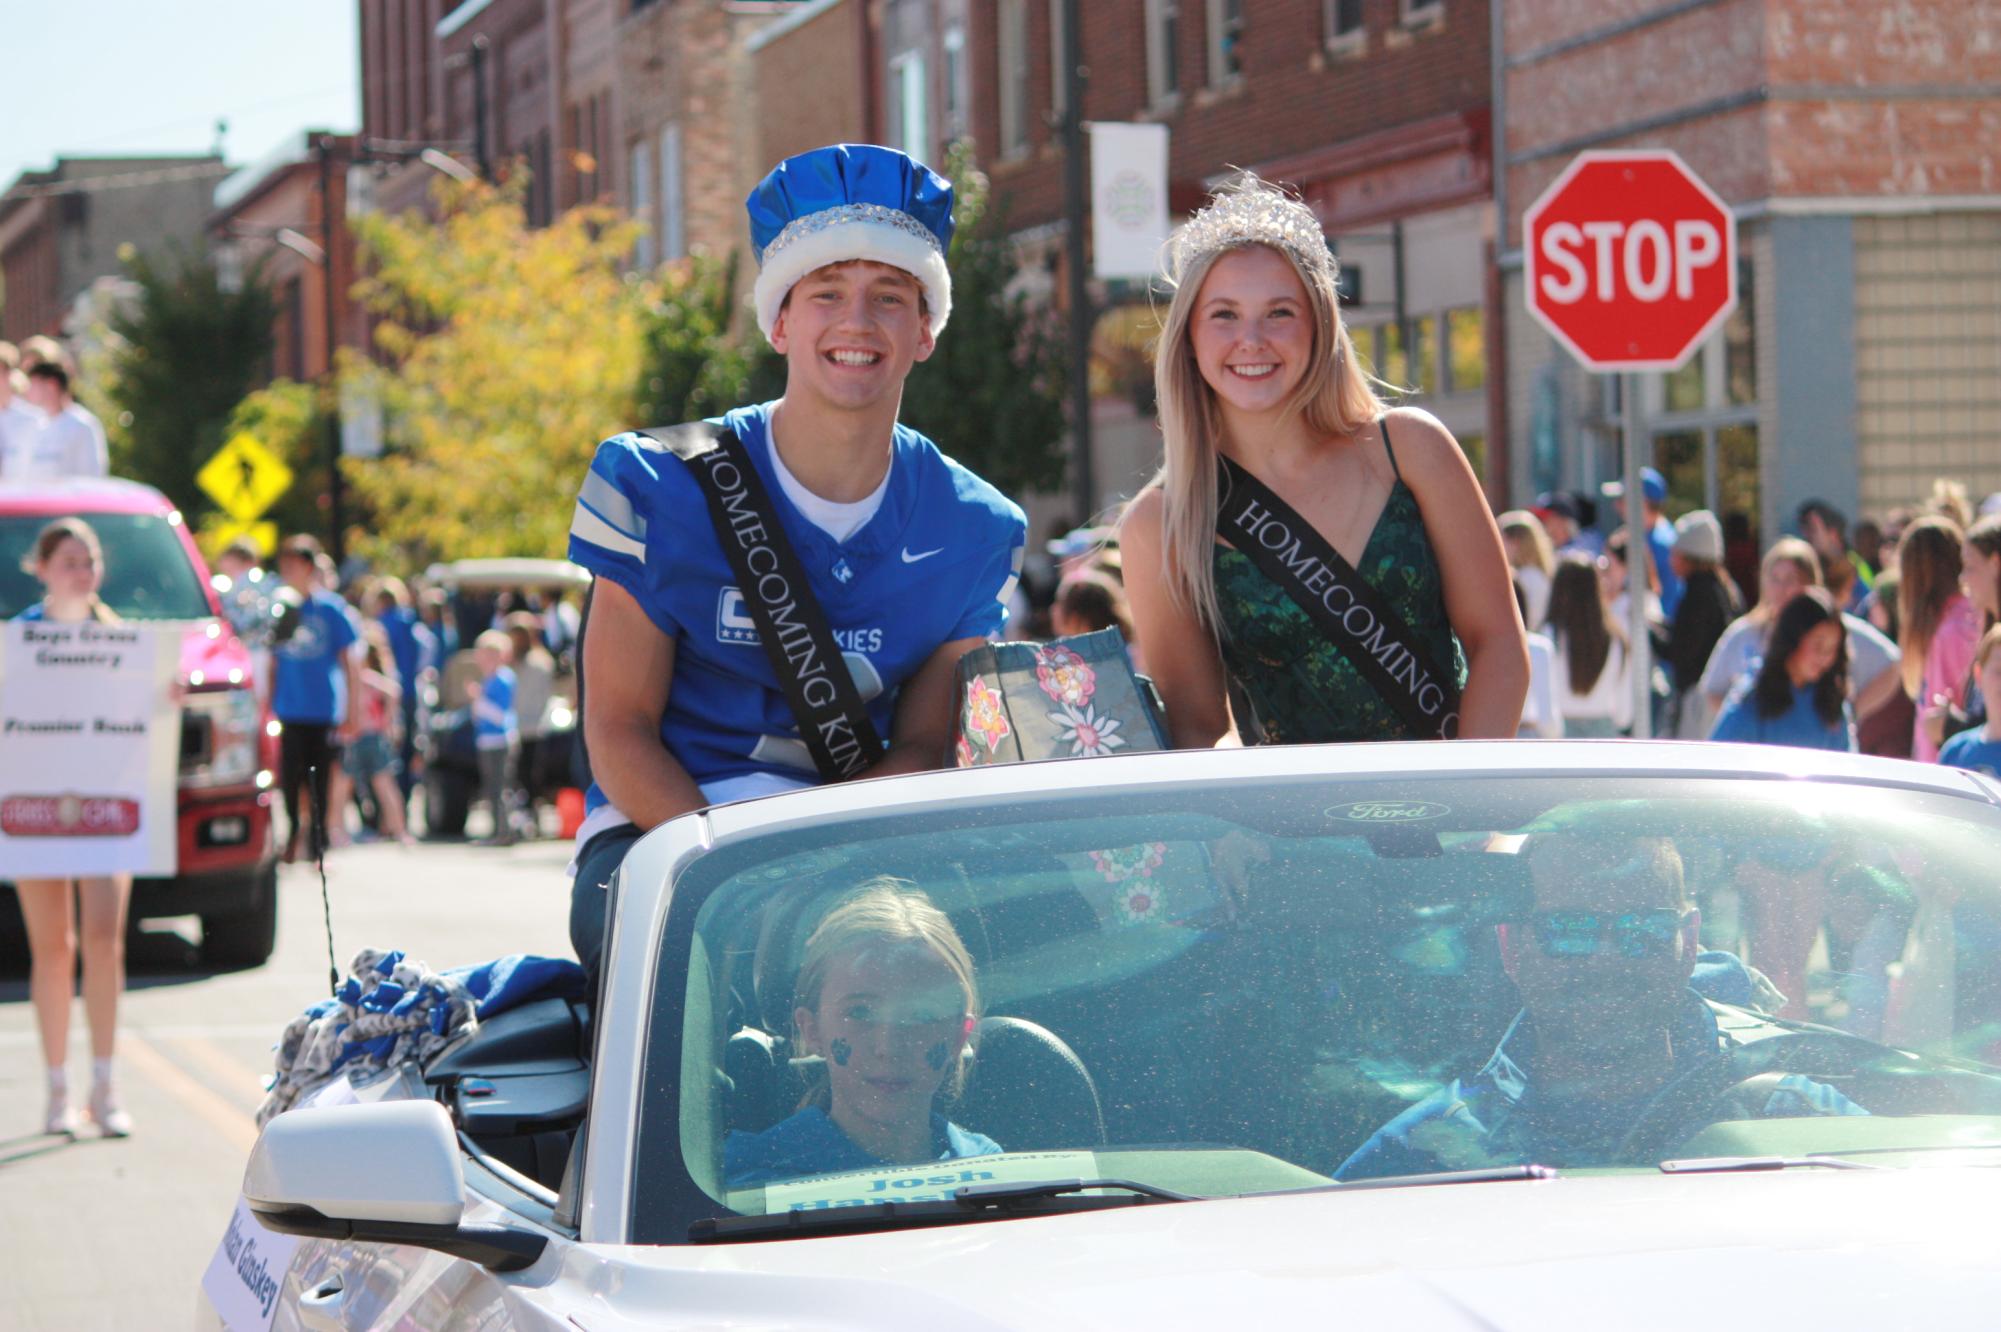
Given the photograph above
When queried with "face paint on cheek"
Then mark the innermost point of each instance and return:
(937, 1055)
(841, 1051)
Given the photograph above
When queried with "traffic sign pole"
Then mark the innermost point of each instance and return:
(1639, 560)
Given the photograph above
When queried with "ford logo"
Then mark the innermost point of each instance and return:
(1388, 811)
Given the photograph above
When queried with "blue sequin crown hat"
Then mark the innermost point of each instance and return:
(1247, 211)
(844, 202)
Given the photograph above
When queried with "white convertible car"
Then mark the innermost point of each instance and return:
(1500, 1036)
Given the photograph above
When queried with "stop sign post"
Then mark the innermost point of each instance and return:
(1631, 263)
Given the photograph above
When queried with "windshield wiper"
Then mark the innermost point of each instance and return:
(1725, 1165)
(969, 1202)
(1489, 1175)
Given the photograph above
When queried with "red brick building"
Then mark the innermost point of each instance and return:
(1861, 151)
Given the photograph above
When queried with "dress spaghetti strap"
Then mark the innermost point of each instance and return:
(1383, 424)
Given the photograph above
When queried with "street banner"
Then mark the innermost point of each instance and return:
(1128, 198)
(90, 742)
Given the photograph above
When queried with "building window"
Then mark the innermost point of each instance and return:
(1163, 51)
(673, 207)
(910, 105)
(1417, 13)
(1343, 22)
(639, 201)
(1226, 32)
(958, 93)
(1059, 82)
(1424, 350)
(1465, 350)
(1012, 77)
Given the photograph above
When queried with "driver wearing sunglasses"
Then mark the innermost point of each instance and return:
(1610, 1038)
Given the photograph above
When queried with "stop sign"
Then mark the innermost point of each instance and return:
(1631, 260)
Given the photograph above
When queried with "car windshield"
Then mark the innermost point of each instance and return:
(1270, 985)
(147, 573)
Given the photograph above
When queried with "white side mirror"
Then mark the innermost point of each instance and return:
(395, 1161)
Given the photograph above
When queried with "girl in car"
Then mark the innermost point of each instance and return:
(70, 563)
(1255, 367)
(1799, 695)
(886, 1000)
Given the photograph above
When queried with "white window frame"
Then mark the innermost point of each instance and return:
(639, 191)
(1161, 50)
(1420, 13)
(1219, 80)
(673, 197)
(957, 82)
(910, 104)
(1336, 38)
(1011, 69)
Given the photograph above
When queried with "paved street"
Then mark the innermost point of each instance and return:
(115, 1234)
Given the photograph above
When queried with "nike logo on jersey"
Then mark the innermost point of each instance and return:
(908, 558)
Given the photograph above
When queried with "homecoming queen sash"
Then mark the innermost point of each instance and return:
(1356, 618)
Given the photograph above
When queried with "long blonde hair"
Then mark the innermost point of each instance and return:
(885, 911)
(1527, 541)
(1334, 396)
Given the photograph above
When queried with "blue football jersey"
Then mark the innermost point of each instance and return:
(937, 562)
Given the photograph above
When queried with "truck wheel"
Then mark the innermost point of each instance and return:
(244, 938)
(447, 801)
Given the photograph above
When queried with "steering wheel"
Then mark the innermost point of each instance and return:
(1744, 1080)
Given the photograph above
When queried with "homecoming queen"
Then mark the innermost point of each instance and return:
(1329, 565)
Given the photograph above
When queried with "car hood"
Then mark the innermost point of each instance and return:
(1808, 1248)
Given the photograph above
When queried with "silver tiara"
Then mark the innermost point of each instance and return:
(1249, 212)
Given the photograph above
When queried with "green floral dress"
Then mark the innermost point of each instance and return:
(1288, 684)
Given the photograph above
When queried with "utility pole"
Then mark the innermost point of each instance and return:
(1076, 218)
(479, 140)
(336, 487)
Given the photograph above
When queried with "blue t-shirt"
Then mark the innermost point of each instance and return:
(493, 722)
(309, 682)
(413, 645)
(1798, 725)
(493, 713)
(937, 562)
(1972, 749)
(810, 1143)
(1660, 541)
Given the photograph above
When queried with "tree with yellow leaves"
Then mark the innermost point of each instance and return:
(507, 353)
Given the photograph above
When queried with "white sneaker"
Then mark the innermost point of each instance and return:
(112, 1121)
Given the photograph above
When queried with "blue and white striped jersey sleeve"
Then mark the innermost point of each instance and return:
(609, 529)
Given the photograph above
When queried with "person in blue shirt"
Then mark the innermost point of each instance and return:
(886, 999)
(911, 557)
(314, 672)
(1979, 749)
(1799, 693)
(415, 649)
(496, 732)
(1615, 1058)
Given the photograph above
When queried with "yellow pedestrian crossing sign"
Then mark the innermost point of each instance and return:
(244, 477)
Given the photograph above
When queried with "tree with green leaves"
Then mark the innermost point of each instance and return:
(507, 353)
(183, 355)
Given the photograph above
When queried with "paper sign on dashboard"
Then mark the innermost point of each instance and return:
(930, 1182)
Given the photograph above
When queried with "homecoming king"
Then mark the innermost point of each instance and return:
(698, 534)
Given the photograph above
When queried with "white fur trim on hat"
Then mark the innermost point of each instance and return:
(787, 260)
